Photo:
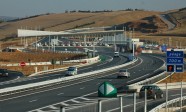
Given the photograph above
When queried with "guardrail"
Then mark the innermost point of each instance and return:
(153, 80)
(49, 71)
(173, 105)
(23, 88)
(87, 62)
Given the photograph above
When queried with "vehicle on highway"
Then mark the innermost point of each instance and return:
(116, 54)
(71, 71)
(4, 72)
(123, 74)
(153, 91)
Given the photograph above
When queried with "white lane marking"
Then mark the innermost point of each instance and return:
(102, 64)
(75, 101)
(85, 68)
(52, 107)
(65, 85)
(84, 98)
(137, 64)
(175, 95)
(82, 88)
(98, 84)
(137, 78)
(62, 103)
(33, 101)
(60, 94)
(52, 88)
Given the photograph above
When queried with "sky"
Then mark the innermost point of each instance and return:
(23, 8)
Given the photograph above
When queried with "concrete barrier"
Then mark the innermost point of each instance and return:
(23, 88)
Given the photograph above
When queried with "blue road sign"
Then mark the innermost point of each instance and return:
(163, 48)
(175, 54)
(175, 61)
(179, 68)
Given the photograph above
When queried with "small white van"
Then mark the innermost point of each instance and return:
(116, 54)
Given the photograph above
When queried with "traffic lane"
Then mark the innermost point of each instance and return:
(46, 96)
(128, 102)
(73, 92)
(12, 75)
(93, 67)
(95, 88)
(172, 94)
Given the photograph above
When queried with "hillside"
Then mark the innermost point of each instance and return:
(179, 18)
(65, 21)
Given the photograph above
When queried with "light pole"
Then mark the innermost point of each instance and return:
(133, 49)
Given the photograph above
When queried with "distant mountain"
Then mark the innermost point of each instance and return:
(6, 18)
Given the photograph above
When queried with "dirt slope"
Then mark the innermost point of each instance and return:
(179, 18)
(59, 22)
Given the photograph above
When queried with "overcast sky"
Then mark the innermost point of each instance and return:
(22, 8)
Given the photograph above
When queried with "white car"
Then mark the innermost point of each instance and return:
(116, 54)
(71, 71)
(123, 73)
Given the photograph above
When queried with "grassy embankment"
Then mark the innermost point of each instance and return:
(17, 57)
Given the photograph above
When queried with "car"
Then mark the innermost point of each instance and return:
(4, 72)
(123, 73)
(116, 54)
(153, 91)
(71, 71)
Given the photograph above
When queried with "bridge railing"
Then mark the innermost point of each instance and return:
(172, 105)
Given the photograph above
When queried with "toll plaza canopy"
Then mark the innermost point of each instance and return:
(32, 33)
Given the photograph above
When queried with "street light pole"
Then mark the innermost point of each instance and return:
(133, 49)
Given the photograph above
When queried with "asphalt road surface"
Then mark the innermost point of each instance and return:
(79, 89)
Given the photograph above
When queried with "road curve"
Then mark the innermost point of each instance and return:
(82, 89)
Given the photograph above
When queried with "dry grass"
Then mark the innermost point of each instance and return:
(177, 77)
(59, 22)
(180, 19)
(17, 57)
(28, 70)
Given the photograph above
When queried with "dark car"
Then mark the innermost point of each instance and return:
(153, 91)
(4, 72)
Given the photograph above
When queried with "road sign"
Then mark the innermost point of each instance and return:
(179, 68)
(175, 54)
(175, 61)
(170, 68)
(22, 64)
(107, 90)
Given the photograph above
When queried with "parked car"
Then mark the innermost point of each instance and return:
(123, 74)
(71, 71)
(153, 91)
(4, 72)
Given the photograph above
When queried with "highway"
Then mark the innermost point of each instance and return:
(12, 75)
(80, 89)
(164, 17)
(97, 66)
